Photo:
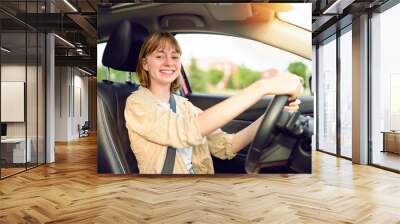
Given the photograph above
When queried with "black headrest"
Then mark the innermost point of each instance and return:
(114, 154)
(123, 47)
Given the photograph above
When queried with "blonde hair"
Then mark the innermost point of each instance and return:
(151, 44)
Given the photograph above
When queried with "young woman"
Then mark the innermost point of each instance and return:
(196, 134)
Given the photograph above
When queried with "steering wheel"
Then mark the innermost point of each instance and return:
(264, 149)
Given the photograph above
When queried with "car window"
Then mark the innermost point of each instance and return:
(221, 64)
(103, 73)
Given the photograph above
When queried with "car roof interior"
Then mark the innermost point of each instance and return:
(257, 21)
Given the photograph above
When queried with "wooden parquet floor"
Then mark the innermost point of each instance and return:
(70, 191)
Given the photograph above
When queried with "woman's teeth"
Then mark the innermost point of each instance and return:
(167, 71)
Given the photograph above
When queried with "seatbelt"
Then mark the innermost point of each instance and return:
(171, 151)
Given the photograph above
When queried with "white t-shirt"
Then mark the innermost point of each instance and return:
(185, 153)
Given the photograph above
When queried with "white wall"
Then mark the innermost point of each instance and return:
(13, 72)
(61, 103)
(81, 101)
(71, 94)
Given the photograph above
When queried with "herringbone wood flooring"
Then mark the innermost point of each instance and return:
(70, 191)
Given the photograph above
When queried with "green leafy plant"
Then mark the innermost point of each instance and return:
(215, 76)
(197, 77)
(246, 77)
(302, 70)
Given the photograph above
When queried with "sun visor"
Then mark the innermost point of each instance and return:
(181, 21)
(230, 11)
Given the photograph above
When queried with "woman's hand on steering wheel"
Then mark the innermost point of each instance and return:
(281, 83)
(293, 106)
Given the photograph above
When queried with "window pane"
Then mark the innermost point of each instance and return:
(327, 96)
(346, 94)
(13, 84)
(225, 64)
(385, 89)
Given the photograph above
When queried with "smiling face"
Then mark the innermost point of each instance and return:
(163, 65)
(159, 62)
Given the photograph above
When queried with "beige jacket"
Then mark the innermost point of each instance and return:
(152, 127)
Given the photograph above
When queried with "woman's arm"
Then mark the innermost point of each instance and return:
(220, 114)
(246, 135)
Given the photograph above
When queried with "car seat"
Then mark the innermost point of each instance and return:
(114, 154)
